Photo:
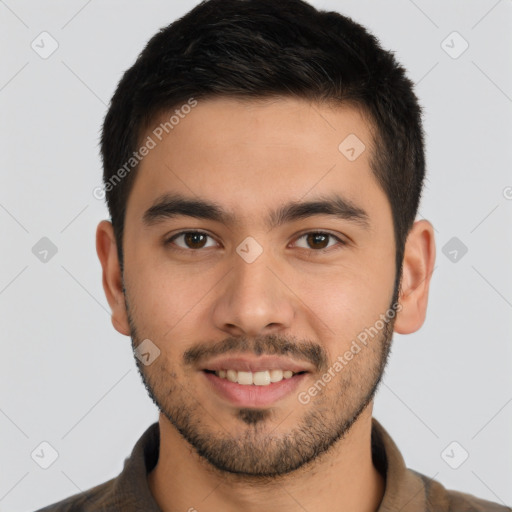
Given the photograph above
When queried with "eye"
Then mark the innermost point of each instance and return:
(195, 240)
(319, 240)
(191, 239)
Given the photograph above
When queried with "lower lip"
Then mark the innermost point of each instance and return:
(251, 395)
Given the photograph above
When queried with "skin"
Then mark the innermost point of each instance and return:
(251, 157)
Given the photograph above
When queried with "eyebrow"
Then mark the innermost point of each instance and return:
(170, 206)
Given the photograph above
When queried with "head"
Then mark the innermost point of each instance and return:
(247, 109)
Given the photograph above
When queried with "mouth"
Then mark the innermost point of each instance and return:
(253, 389)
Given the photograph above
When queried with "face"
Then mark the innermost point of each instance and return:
(260, 276)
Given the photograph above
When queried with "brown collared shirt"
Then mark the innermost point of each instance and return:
(406, 490)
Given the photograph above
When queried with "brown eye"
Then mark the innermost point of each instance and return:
(194, 240)
(318, 240)
(190, 239)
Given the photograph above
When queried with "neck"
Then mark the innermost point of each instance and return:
(345, 475)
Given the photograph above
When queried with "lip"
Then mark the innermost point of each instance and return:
(247, 364)
(251, 395)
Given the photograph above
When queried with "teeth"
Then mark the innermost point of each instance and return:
(244, 378)
(276, 375)
(261, 378)
(256, 378)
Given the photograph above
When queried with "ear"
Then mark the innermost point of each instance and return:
(418, 265)
(106, 249)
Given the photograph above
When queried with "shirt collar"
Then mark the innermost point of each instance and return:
(131, 488)
(405, 489)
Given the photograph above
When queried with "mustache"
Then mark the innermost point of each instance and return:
(264, 345)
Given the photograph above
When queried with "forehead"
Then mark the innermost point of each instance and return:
(252, 156)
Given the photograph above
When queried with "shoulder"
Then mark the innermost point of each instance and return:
(439, 498)
(460, 501)
(99, 499)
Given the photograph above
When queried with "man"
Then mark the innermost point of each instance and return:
(263, 166)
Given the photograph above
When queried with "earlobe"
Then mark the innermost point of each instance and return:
(106, 249)
(418, 265)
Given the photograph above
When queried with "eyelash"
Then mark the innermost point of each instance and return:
(169, 241)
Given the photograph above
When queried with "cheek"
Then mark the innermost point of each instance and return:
(149, 293)
(166, 297)
(343, 304)
(347, 299)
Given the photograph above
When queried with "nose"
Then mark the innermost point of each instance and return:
(252, 300)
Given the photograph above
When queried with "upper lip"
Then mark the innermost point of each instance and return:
(251, 364)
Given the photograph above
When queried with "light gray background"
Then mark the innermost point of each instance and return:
(68, 378)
